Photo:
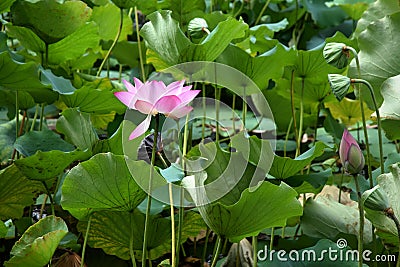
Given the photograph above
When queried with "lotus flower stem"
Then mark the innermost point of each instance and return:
(301, 119)
(41, 117)
(203, 123)
(203, 257)
(262, 12)
(114, 42)
(85, 241)
(217, 251)
(254, 243)
(244, 108)
(34, 118)
(378, 117)
(131, 252)
(171, 203)
(139, 45)
(292, 103)
(361, 229)
(147, 220)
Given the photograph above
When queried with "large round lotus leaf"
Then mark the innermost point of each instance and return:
(37, 245)
(49, 19)
(103, 182)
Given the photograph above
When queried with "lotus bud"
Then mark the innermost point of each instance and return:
(350, 154)
(376, 199)
(197, 27)
(339, 84)
(336, 54)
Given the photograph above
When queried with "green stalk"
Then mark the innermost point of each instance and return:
(254, 243)
(181, 208)
(147, 220)
(262, 12)
(301, 119)
(171, 203)
(131, 252)
(203, 257)
(287, 136)
(292, 104)
(41, 117)
(378, 118)
(85, 241)
(50, 197)
(34, 118)
(271, 242)
(121, 22)
(139, 45)
(361, 230)
(216, 251)
(244, 108)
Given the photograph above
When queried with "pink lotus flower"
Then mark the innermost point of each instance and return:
(155, 97)
(350, 154)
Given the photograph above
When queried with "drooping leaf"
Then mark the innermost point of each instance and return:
(50, 19)
(114, 232)
(42, 166)
(391, 128)
(74, 45)
(353, 8)
(45, 140)
(238, 220)
(36, 246)
(285, 167)
(27, 38)
(25, 77)
(309, 183)
(77, 128)
(103, 182)
(96, 97)
(326, 218)
(16, 192)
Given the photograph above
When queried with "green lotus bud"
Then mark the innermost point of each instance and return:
(339, 84)
(197, 27)
(376, 199)
(350, 154)
(336, 54)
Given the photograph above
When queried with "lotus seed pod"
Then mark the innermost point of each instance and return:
(336, 54)
(339, 84)
(376, 199)
(197, 27)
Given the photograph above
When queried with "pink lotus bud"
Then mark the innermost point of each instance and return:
(350, 154)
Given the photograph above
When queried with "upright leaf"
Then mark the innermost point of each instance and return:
(36, 246)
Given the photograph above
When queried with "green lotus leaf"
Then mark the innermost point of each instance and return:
(36, 246)
(16, 192)
(49, 19)
(103, 182)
